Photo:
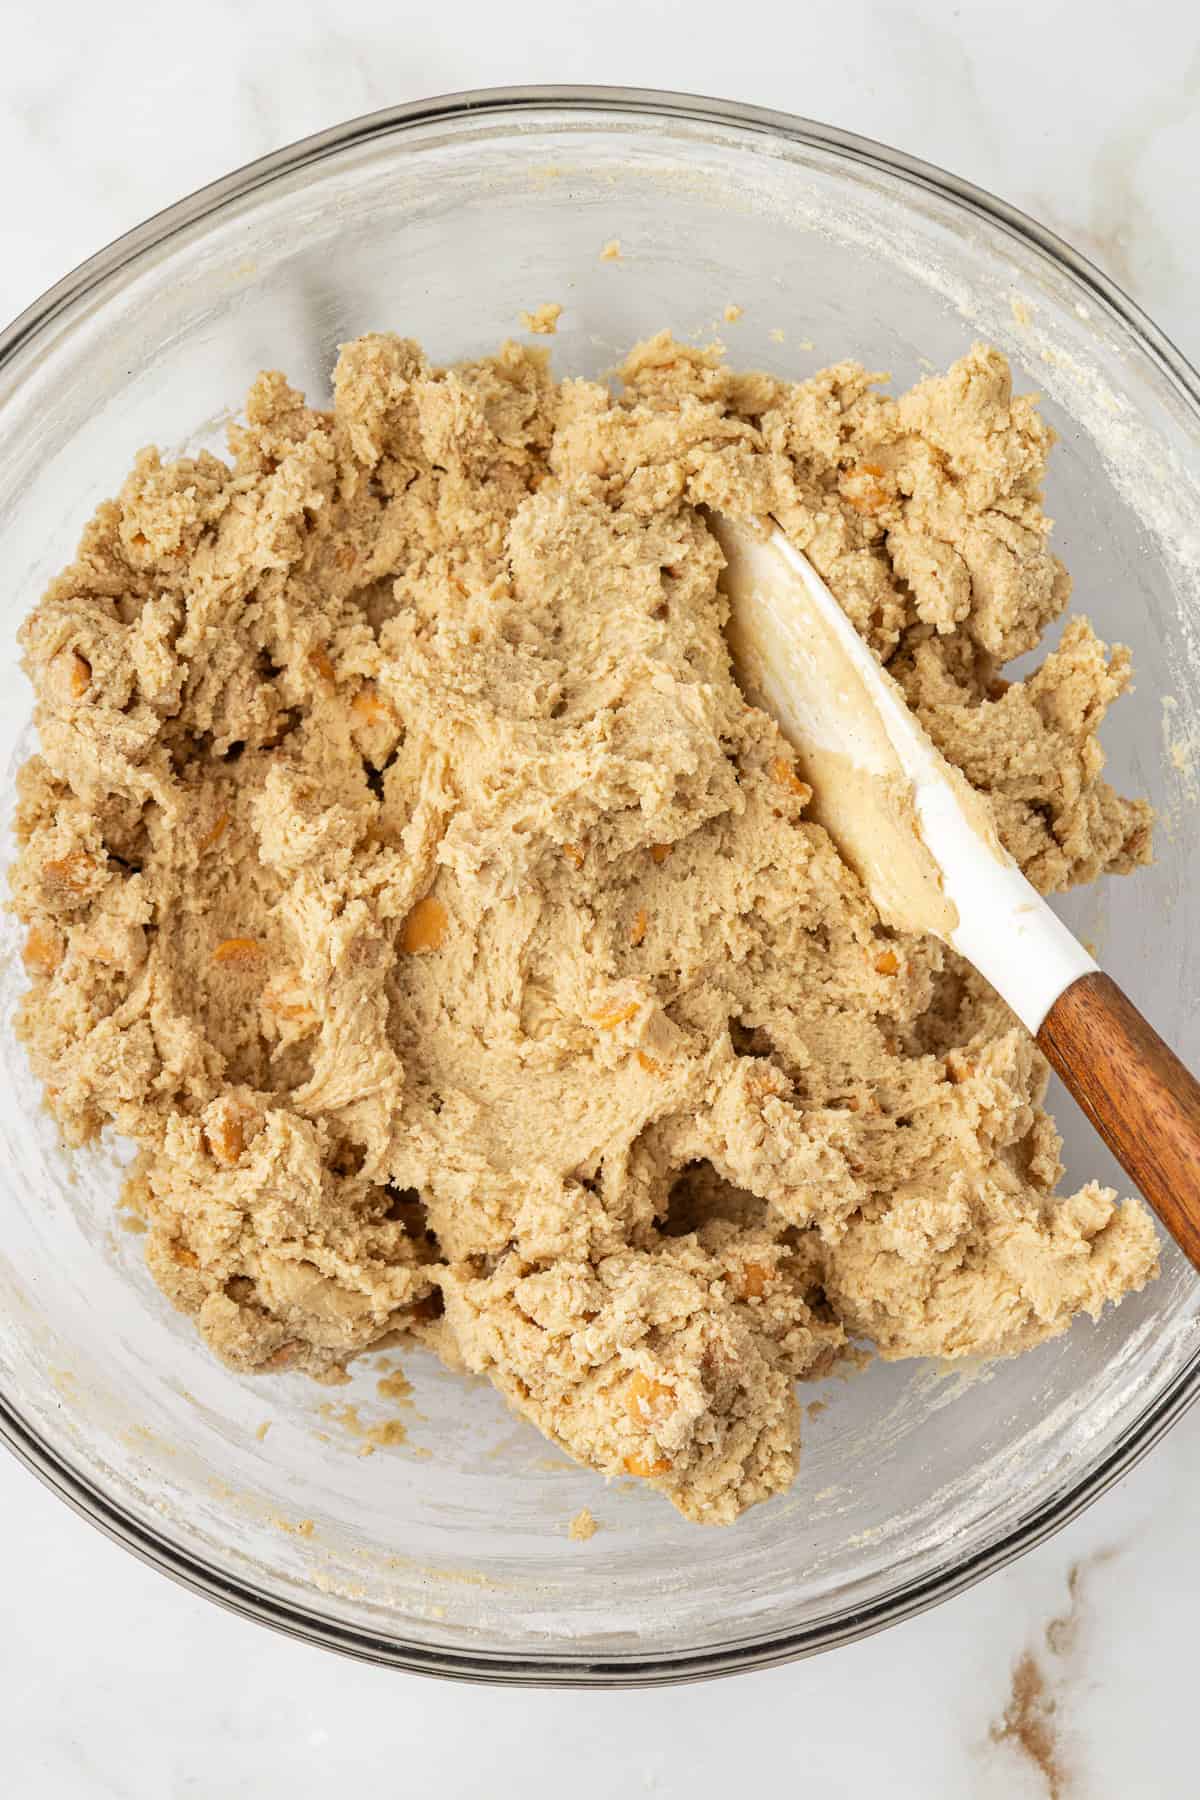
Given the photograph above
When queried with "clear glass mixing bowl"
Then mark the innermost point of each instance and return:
(449, 1553)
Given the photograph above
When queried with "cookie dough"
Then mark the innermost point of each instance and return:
(405, 874)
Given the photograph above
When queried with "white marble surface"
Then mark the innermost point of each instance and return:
(116, 1685)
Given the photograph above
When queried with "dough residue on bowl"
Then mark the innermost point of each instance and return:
(404, 872)
(543, 320)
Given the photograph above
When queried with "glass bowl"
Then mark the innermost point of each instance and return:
(449, 1553)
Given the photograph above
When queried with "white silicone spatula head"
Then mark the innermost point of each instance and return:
(903, 818)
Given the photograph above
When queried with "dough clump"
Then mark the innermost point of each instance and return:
(404, 872)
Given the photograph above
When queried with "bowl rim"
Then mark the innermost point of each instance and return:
(905, 1599)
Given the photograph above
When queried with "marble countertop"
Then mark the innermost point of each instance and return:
(1067, 1675)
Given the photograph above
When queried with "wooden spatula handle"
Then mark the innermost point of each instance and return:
(1136, 1092)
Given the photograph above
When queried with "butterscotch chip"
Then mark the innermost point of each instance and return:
(370, 706)
(864, 488)
(226, 1136)
(425, 927)
(785, 776)
(750, 1281)
(42, 949)
(71, 874)
(238, 950)
(216, 831)
(645, 1398)
(288, 1002)
(642, 1466)
(609, 1017)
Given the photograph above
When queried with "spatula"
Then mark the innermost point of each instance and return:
(926, 850)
